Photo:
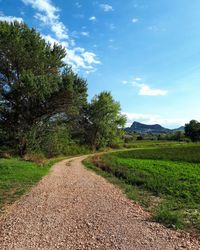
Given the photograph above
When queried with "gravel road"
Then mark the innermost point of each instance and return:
(73, 208)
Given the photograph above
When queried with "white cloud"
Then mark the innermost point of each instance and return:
(79, 58)
(135, 20)
(90, 57)
(137, 79)
(85, 33)
(106, 7)
(92, 18)
(146, 90)
(48, 15)
(60, 30)
(50, 39)
(154, 119)
(78, 5)
(44, 6)
(10, 18)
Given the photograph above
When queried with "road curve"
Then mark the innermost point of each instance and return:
(73, 208)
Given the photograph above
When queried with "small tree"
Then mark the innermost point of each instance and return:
(104, 120)
(192, 130)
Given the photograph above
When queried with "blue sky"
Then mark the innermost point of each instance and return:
(147, 53)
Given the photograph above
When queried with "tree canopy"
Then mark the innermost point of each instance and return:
(34, 82)
(40, 94)
(104, 120)
(192, 130)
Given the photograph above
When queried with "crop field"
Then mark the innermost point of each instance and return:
(190, 153)
(170, 175)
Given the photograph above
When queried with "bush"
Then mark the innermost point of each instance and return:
(53, 140)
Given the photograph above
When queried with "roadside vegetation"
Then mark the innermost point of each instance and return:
(17, 177)
(164, 180)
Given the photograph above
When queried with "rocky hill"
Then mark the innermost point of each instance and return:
(151, 129)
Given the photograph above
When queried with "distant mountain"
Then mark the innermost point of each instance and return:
(151, 129)
(182, 129)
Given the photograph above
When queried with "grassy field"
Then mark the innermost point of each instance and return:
(166, 180)
(150, 143)
(184, 152)
(18, 176)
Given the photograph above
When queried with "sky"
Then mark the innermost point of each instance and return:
(146, 53)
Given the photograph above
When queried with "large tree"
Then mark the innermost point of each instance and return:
(104, 120)
(192, 130)
(35, 84)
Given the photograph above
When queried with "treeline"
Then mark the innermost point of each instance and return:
(191, 133)
(43, 103)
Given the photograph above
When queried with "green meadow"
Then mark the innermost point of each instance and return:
(165, 180)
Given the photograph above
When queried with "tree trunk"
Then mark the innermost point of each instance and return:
(22, 147)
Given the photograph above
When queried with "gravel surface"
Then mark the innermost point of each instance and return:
(73, 208)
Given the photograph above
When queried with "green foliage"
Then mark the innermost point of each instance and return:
(176, 136)
(105, 121)
(36, 87)
(43, 103)
(53, 139)
(29, 75)
(192, 130)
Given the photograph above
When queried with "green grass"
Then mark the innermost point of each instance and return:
(18, 176)
(171, 174)
(150, 143)
(188, 153)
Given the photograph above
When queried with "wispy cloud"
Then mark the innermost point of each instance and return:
(78, 5)
(153, 28)
(10, 18)
(48, 15)
(145, 89)
(154, 119)
(135, 20)
(137, 79)
(106, 7)
(92, 18)
(85, 33)
(156, 28)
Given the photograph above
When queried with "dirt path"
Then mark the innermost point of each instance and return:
(72, 208)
